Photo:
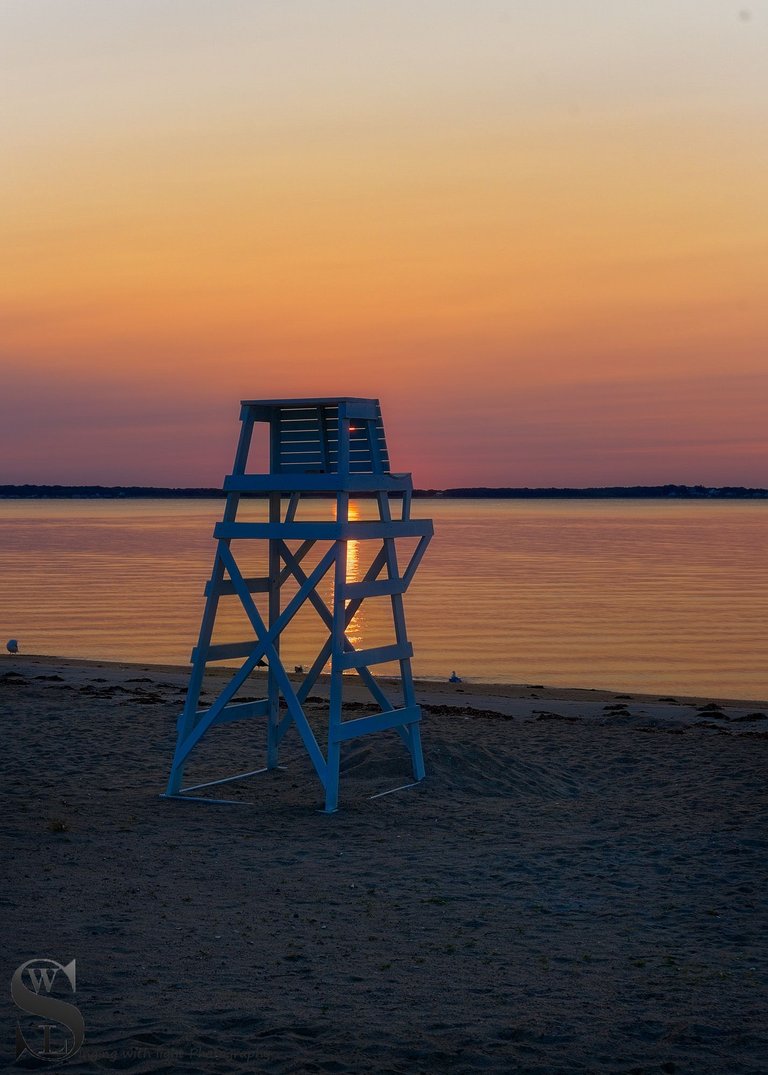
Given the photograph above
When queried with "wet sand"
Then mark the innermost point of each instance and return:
(578, 886)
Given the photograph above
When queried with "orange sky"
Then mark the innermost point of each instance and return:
(537, 232)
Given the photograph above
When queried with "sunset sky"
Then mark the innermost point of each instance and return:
(537, 230)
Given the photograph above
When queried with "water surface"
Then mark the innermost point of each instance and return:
(657, 596)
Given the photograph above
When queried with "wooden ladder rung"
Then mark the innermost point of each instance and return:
(225, 651)
(225, 587)
(241, 710)
(361, 658)
(377, 722)
(378, 588)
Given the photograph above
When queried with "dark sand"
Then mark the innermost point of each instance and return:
(578, 886)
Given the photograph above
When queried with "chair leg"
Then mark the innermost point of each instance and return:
(332, 778)
(417, 757)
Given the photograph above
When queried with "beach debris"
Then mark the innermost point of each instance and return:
(12, 645)
(544, 714)
(13, 679)
(466, 711)
(713, 709)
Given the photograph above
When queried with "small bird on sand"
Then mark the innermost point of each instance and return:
(12, 645)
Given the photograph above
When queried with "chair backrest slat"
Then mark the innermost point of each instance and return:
(307, 439)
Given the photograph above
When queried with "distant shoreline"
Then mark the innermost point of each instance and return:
(632, 492)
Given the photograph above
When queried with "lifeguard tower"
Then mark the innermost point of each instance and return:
(337, 448)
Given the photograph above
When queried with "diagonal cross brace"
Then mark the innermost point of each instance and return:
(266, 639)
(326, 615)
(263, 647)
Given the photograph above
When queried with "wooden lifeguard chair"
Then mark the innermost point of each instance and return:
(334, 447)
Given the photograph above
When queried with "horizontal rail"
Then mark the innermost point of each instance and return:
(241, 710)
(225, 587)
(227, 651)
(361, 408)
(377, 722)
(365, 404)
(361, 468)
(317, 466)
(380, 588)
(354, 439)
(296, 414)
(308, 483)
(361, 658)
(300, 436)
(326, 531)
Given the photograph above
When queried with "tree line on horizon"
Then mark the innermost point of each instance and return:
(681, 492)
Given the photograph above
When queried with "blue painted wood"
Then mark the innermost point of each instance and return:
(273, 688)
(225, 587)
(359, 530)
(209, 716)
(416, 559)
(377, 722)
(222, 651)
(263, 647)
(379, 588)
(338, 627)
(325, 614)
(353, 406)
(290, 514)
(189, 714)
(267, 647)
(410, 733)
(351, 609)
(336, 699)
(375, 655)
(318, 482)
(335, 445)
(290, 609)
(241, 711)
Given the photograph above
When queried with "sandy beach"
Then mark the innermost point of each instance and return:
(578, 886)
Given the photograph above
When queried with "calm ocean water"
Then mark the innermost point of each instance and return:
(658, 596)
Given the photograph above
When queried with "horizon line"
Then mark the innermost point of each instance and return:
(58, 490)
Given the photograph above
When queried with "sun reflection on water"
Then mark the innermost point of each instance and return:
(356, 628)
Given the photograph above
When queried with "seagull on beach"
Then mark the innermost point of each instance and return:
(12, 645)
